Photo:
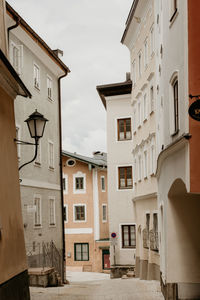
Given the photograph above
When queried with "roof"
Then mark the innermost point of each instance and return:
(35, 36)
(114, 89)
(12, 78)
(129, 19)
(99, 159)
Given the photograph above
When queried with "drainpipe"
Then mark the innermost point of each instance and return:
(61, 177)
(13, 27)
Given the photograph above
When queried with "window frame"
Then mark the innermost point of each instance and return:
(65, 213)
(104, 216)
(18, 137)
(36, 81)
(140, 64)
(37, 224)
(49, 87)
(129, 236)
(126, 186)
(53, 224)
(79, 191)
(38, 160)
(175, 105)
(103, 184)
(51, 155)
(146, 53)
(75, 252)
(152, 40)
(125, 131)
(74, 213)
(19, 48)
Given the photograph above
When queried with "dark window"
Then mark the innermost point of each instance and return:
(147, 225)
(125, 177)
(175, 95)
(103, 183)
(81, 251)
(128, 236)
(124, 129)
(65, 213)
(79, 183)
(64, 184)
(79, 213)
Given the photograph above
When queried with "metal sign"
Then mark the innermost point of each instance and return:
(194, 110)
(113, 235)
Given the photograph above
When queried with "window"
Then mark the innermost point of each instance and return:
(51, 155)
(147, 224)
(135, 171)
(16, 57)
(81, 252)
(37, 215)
(152, 98)
(155, 222)
(52, 218)
(175, 100)
(36, 76)
(71, 162)
(140, 64)
(124, 129)
(18, 138)
(79, 183)
(65, 183)
(38, 158)
(128, 236)
(65, 213)
(125, 177)
(134, 72)
(145, 53)
(103, 188)
(134, 120)
(139, 167)
(79, 213)
(173, 9)
(145, 164)
(104, 212)
(49, 88)
(145, 106)
(152, 161)
(152, 39)
(139, 113)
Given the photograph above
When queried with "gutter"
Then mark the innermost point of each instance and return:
(61, 178)
(13, 26)
(129, 19)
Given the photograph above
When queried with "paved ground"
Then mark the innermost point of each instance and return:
(97, 286)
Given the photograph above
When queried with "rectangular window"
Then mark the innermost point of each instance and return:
(148, 225)
(175, 94)
(139, 167)
(79, 182)
(128, 236)
(152, 98)
(81, 252)
(140, 64)
(18, 138)
(152, 39)
(49, 88)
(124, 129)
(145, 53)
(139, 113)
(134, 72)
(51, 155)
(65, 213)
(155, 222)
(103, 188)
(38, 158)
(135, 171)
(145, 164)
(79, 213)
(152, 159)
(37, 215)
(16, 57)
(145, 106)
(134, 120)
(104, 212)
(125, 177)
(52, 216)
(36, 76)
(65, 183)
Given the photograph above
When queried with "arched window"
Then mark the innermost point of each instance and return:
(175, 104)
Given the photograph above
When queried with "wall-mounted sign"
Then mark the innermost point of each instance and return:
(113, 235)
(194, 110)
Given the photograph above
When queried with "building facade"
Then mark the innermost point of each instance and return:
(13, 275)
(139, 37)
(41, 192)
(117, 100)
(86, 212)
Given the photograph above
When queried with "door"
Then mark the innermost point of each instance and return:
(106, 259)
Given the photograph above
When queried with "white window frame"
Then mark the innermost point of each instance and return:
(74, 213)
(145, 160)
(51, 159)
(152, 39)
(134, 119)
(135, 171)
(134, 72)
(139, 64)
(103, 178)
(37, 225)
(79, 191)
(139, 167)
(145, 53)
(49, 88)
(36, 76)
(145, 107)
(19, 48)
(65, 191)
(38, 159)
(54, 211)
(106, 217)
(152, 157)
(66, 213)
(120, 236)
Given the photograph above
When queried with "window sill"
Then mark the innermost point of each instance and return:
(37, 88)
(139, 126)
(52, 225)
(77, 221)
(104, 221)
(50, 99)
(37, 164)
(51, 169)
(125, 188)
(134, 132)
(145, 178)
(152, 112)
(173, 18)
(152, 174)
(175, 133)
(145, 120)
(37, 226)
(131, 247)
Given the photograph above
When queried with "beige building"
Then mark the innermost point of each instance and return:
(13, 265)
(139, 37)
(86, 212)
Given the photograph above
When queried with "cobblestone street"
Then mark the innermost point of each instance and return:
(100, 287)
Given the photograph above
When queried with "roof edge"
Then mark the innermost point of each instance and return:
(129, 19)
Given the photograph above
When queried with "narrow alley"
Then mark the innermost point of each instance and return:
(98, 286)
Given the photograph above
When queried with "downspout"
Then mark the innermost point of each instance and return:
(61, 178)
(13, 27)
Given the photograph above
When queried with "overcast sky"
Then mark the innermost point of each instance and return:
(89, 33)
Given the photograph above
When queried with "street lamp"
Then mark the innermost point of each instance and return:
(36, 125)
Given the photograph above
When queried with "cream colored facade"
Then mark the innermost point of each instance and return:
(139, 37)
(86, 212)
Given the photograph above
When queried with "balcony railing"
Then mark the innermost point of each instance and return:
(154, 243)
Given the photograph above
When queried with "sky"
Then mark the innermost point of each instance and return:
(89, 33)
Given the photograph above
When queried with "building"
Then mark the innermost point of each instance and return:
(13, 275)
(178, 146)
(86, 212)
(41, 182)
(139, 37)
(116, 99)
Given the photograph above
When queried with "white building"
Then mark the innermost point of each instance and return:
(41, 193)
(117, 100)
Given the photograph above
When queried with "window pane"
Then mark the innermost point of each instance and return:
(129, 172)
